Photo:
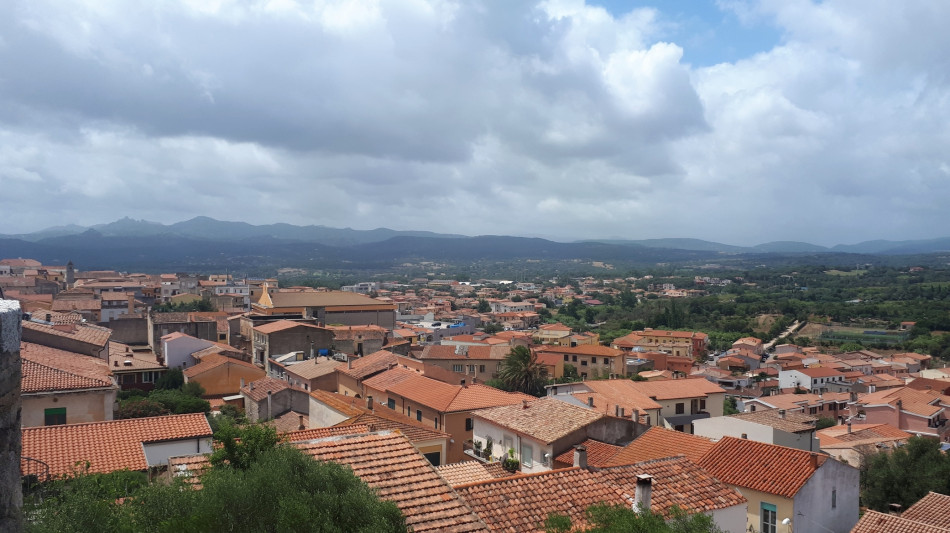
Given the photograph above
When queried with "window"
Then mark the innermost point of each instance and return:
(436, 421)
(584, 363)
(702, 404)
(419, 415)
(680, 408)
(468, 424)
(481, 368)
(834, 498)
(527, 455)
(458, 368)
(54, 416)
(391, 403)
(567, 358)
(128, 379)
(574, 358)
(769, 515)
(471, 368)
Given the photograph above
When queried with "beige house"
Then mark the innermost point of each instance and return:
(220, 375)
(60, 387)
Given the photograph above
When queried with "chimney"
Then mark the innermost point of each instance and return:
(269, 405)
(849, 425)
(590, 401)
(622, 413)
(349, 363)
(636, 422)
(462, 383)
(644, 492)
(781, 413)
(369, 403)
(251, 385)
(853, 397)
(616, 410)
(580, 456)
(49, 317)
(301, 426)
(814, 461)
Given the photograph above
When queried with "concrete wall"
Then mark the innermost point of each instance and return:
(128, 330)
(158, 453)
(81, 407)
(829, 499)
(322, 416)
(724, 426)
(178, 351)
(613, 430)
(732, 519)
(386, 319)
(11, 495)
(226, 379)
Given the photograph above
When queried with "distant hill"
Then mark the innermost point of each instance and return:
(681, 244)
(207, 228)
(787, 247)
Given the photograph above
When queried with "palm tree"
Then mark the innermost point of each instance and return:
(520, 371)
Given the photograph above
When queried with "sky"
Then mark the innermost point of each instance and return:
(735, 121)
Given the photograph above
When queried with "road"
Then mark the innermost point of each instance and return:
(791, 329)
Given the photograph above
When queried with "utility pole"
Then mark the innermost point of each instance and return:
(11, 493)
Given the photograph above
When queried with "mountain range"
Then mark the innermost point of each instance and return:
(204, 242)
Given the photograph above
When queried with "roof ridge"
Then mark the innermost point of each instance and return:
(131, 420)
(519, 476)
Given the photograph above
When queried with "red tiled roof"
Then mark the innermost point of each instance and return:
(599, 453)
(390, 464)
(48, 369)
(523, 503)
(441, 396)
(678, 388)
(875, 522)
(582, 349)
(368, 365)
(659, 442)
(378, 418)
(933, 509)
(760, 466)
(88, 333)
(471, 472)
(545, 420)
(282, 325)
(261, 386)
(303, 435)
(108, 446)
(214, 360)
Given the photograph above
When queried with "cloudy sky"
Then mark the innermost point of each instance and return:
(736, 121)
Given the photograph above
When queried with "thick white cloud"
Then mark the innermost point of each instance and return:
(552, 118)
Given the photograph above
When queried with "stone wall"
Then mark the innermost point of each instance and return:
(11, 497)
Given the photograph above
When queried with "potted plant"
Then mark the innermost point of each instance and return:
(488, 448)
(478, 448)
(510, 463)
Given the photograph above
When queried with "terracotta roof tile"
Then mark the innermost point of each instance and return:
(261, 386)
(390, 464)
(282, 325)
(790, 422)
(108, 446)
(141, 358)
(48, 369)
(441, 396)
(214, 360)
(932, 509)
(599, 454)
(658, 442)
(545, 420)
(523, 503)
(378, 418)
(88, 333)
(760, 466)
(304, 435)
(875, 522)
(368, 365)
(471, 472)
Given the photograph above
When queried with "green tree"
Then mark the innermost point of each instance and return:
(241, 446)
(178, 402)
(905, 475)
(730, 407)
(483, 306)
(521, 371)
(172, 379)
(604, 518)
(825, 422)
(140, 407)
(313, 496)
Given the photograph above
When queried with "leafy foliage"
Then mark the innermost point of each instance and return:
(172, 379)
(283, 490)
(905, 475)
(171, 396)
(604, 518)
(203, 304)
(520, 371)
(241, 446)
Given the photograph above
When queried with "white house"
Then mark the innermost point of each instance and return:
(815, 379)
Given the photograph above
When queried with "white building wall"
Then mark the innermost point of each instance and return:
(178, 351)
(157, 453)
(731, 519)
(503, 440)
(321, 416)
(829, 500)
(723, 426)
